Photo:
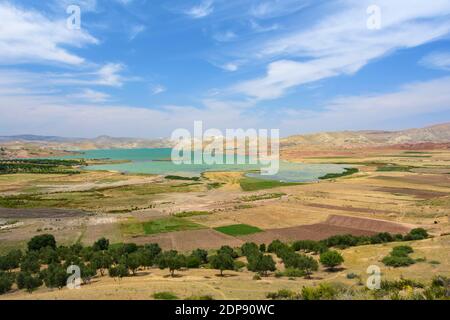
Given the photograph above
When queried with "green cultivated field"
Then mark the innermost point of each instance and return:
(169, 225)
(253, 184)
(238, 230)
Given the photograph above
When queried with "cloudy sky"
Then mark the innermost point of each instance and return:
(142, 68)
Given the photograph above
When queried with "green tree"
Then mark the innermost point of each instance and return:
(101, 261)
(11, 260)
(101, 244)
(201, 254)
(249, 249)
(30, 263)
(27, 281)
(261, 263)
(222, 261)
(55, 276)
(331, 259)
(118, 271)
(227, 250)
(6, 282)
(171, 260)
(38, 242)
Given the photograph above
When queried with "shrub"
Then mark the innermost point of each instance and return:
(331, 259)
(282, 294)
(165, 296)
(205, 297)
(401, 251)
(416, 234)
(397, 261)
(323, 292)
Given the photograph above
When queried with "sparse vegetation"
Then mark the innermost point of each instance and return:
(347, 172)
(265, 196)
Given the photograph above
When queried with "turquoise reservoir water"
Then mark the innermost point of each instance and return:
(157, 161)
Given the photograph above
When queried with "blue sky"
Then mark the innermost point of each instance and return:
(143, 68)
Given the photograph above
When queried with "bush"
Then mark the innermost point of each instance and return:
(401, 251)
(205, 297)
(397, 261)
(165, 296)
(294, 273)
(282, 294)
(323, 292)
(416, 234)
(331, 259)
(38, 242)
(399, 257)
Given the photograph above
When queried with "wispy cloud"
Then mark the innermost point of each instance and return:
(437, 60)
(341, 44)
(157, 89)
(135, 31)
(373, 111)
(204, 9)
(28, 36)
(276, 8)
(90, 96)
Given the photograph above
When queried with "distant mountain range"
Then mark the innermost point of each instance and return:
(436, 134)
(32, 145)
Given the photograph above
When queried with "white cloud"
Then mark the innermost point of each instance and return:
(231, 66)
(373, 111)
(91, 96)
(341, 43)
(225, 36)
(28, 36)
(157, 89)
(437, 60)
(135, 31)
(276, 8)
(202, 10)
(85, 5)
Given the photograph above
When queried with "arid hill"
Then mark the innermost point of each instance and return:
(437, 134)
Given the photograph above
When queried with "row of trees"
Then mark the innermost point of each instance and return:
(39, 166)
(46, 263)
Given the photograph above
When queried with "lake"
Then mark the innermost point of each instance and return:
(157, 161)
